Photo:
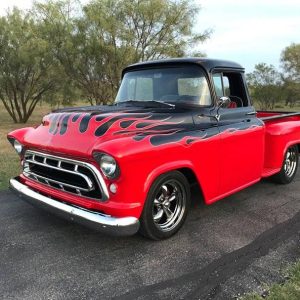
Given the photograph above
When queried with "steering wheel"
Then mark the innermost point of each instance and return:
(237, 100)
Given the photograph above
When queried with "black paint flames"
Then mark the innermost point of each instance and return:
(137, 125)
(161, 129)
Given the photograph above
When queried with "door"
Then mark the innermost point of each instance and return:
(241, 134)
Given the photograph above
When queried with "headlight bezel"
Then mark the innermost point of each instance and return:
(18, 146)
(105, 158)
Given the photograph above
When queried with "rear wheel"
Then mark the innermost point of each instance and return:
(289, 166)
(166, 206)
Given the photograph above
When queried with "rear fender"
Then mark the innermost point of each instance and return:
(278, 139)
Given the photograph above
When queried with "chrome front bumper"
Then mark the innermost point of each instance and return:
(97, 221)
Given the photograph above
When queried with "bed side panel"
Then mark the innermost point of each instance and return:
(279, 136)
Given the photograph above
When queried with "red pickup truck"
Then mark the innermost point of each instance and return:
(129, 166)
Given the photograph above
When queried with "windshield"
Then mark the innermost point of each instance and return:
(169, 84)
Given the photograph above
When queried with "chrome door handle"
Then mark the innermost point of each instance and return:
(251, 113)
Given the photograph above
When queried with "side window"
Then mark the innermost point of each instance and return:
(226, 86)
(217, 78)
(236, 88)
(231, 84)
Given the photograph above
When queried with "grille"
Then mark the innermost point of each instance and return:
(68, 175)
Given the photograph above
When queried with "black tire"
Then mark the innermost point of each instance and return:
(169, 214)
(289, 166)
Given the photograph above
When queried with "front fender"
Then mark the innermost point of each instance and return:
(19, 134)
(167, 167)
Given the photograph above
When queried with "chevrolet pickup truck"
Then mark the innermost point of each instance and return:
(129, 166)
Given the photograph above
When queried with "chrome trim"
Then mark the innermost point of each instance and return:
(92, 168)
(290, 162)
(97, 221)
(87, 180)
(251, 113)
(29, 174)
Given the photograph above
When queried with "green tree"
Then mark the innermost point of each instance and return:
(27, 68)
(95, 45)
(290, 59)
(290, 91)
(265, 85)
(56, 24)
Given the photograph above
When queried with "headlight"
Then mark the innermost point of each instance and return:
(108, 165)
(18, 147)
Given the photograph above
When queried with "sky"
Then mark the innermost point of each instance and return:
(249, 31)
(245, 31)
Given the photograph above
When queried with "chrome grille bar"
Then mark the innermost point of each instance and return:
(29, 174)
(53, 171)
(44, 163)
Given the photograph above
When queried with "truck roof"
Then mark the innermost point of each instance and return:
(207, 63)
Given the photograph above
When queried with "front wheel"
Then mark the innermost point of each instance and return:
(166, 206)
(289, 166)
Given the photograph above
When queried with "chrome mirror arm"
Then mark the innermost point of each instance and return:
(223, 101)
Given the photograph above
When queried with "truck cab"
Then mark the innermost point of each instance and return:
(202, 85)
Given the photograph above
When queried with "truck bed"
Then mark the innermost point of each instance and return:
(275, 115)
(282, 131)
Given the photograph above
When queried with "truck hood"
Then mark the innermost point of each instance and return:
(80, 131)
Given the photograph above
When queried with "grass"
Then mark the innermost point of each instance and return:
(289, 290)
(9, 160)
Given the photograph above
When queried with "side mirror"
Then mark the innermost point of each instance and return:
(223, 101)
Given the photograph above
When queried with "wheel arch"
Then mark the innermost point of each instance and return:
(184, 167)
(287, 146)
(287, 171)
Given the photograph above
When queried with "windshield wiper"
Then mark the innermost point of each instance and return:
(148, 103)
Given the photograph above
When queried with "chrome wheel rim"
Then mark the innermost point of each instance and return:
(169, 205)
(290, 162)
